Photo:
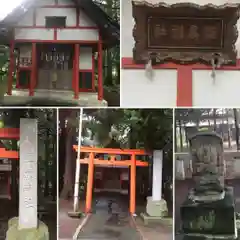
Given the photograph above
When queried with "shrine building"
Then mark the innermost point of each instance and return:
(180, 54)
(57, 46)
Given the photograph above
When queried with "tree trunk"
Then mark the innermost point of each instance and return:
(235, 112)
(68, 182)
(175, 136)
(180, 135)
(228, 131)
(214, 120)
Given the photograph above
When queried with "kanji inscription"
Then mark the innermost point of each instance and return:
(185, 33)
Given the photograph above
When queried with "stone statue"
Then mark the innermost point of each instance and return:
(208, 166)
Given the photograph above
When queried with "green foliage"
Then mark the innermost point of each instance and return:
(111, 57)
(135, 128)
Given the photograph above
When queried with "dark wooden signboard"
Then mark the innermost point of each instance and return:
(184, 32)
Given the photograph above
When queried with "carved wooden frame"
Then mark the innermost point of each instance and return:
(143, 9)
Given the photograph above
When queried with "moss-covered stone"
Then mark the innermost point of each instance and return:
(156, 208)
(214, 218)
(13, 233)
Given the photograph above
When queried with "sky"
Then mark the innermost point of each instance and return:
(8, 6)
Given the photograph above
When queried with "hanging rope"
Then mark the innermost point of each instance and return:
(216, 63)
(149, 66)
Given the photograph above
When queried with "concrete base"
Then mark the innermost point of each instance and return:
(57, 97)
(156, 208)
(13, 233)
(149, 219)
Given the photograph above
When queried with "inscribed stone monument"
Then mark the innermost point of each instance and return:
(208, 166)
(210, 204)
(28, 174)
(27, 226)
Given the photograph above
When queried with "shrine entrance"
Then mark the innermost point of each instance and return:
(55, 66)
(116, 158)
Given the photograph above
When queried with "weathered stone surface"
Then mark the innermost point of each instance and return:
(211, 218)
(13, 233)
(28, 172)
(156, 208)
(208, 164)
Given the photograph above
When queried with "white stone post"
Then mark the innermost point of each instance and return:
(156, 205)
(157, 175)
(27, 225)
(28, 174)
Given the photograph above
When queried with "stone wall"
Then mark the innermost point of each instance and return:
(183, 166)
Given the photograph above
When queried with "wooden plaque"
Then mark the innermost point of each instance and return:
(185, 32)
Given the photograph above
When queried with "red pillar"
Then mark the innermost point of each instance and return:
(100, 71)
(76, 71)
(11, 68)
(90, 183)
(133, 184)
(33, 70)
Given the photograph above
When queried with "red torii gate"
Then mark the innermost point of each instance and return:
(133, 162)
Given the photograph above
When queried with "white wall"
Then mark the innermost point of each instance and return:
(27, 19)
(45, 2)
(63, 34)
(70, 13)
(137, 90)
(40, 34)
(85, 21)
(134, 83)
(77, 34)
(223, 92)
(85, 58)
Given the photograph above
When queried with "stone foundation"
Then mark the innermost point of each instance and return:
(13, 233)
(156, 208)
(210, 220)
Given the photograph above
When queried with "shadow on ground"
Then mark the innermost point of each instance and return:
(110, 219)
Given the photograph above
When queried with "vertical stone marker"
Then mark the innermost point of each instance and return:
(27, 226)
(28, 174)
(156, 208)
(209, 209)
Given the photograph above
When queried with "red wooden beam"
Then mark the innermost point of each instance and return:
(184, 76)
(10, 133)
(111, 150)
(101, 162)
(8, 154)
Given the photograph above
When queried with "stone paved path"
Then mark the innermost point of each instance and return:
(104, 225)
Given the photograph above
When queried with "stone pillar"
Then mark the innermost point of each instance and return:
(28, 174)
(27, 225)
(157, 175)
(156, 205)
